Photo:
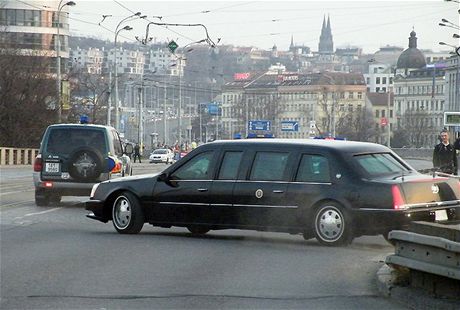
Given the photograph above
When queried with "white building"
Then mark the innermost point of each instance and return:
(380, 78)
(33, 26)
(92, 59)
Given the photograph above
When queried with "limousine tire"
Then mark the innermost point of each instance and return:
(198, 230)
(127, 214)
(332, 225)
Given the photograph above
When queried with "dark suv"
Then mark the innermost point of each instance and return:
(73, 157)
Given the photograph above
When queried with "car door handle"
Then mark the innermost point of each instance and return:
(278, 191)
(202, 189)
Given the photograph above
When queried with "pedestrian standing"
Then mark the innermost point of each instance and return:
(445, 155)
(137, 153)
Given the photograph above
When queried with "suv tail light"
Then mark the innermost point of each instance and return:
(38, 163)
(398, 200)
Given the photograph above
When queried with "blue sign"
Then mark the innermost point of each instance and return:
(212, 109)
(289, 126)
(259, 125)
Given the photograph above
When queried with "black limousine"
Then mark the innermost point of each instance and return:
(329, 190)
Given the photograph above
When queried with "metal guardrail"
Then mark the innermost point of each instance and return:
(17, 156)
(430, 254)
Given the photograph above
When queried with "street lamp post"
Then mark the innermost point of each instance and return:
(117, 31)
(58, 56)
(117, 104)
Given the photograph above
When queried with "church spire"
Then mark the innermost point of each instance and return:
(326, 45)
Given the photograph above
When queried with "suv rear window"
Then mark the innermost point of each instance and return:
(64, 141)
(380, 164)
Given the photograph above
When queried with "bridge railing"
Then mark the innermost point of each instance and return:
(25, 156)
(10, 156)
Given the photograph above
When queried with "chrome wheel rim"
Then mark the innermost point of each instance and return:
(121, 212)
(330, 224)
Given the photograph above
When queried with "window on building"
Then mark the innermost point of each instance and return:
(377, 80)
(368, 80)
(384, 80)
(350, 95)
(360, 95)
(377, 113)
(377, 89)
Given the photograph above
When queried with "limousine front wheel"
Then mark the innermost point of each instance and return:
(332, 225)
(127, 215)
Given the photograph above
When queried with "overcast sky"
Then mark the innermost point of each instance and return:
(366, 24)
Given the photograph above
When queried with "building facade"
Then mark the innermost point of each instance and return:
(32, 28)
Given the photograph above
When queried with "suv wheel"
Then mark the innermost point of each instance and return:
(198, 230)
(41, 199)
(332, 225)
(85, 164)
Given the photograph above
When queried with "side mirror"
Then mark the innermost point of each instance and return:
(129, 149)
(164, 177)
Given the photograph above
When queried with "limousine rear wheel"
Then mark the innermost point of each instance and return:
(332, 225)
(127, 215)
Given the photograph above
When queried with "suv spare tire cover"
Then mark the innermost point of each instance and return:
(85, 164)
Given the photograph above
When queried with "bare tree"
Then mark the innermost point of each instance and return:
(90, 94)
(27, 97)
(417, 127)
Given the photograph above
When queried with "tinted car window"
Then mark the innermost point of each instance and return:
(195, 169)
(160, 152)
(269, 166)
(379, 164)
(117, 143)
(229, 167)
(313, 168)
(65, 140)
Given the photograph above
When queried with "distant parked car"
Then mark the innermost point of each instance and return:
(162, 156)
(73, 157)
(330, 190)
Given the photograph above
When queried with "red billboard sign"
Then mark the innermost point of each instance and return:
(241, 76)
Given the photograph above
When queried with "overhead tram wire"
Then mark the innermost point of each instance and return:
(344, 32)
(167, 28)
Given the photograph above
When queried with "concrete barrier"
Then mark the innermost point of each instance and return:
(428, 256)
(17, 156)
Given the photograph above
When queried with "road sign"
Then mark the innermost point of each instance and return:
(259, 125)
(289, 126)
(172, 46)
(451, 118)
(212, 109)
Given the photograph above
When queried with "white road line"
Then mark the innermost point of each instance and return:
(42, 212)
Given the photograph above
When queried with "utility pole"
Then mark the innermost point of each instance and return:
(109, 103)
(164, 109)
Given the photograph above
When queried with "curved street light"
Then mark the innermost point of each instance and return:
(58, 56)
(117, 31)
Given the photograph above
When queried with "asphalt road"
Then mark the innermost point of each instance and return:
(56, 258)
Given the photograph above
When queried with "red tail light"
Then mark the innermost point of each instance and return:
(38, 163)
(398, 200)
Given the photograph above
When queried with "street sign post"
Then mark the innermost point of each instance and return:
(290, 126)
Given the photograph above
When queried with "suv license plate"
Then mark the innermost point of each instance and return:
(52, 167)
(440, 215)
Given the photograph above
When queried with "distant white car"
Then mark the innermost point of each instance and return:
(162, 156)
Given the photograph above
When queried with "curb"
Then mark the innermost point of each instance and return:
(392, 284)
